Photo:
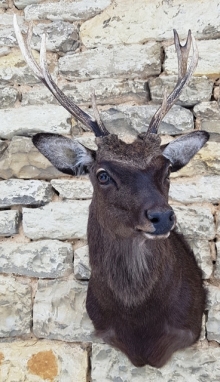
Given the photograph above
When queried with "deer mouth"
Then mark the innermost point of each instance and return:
(152, 236)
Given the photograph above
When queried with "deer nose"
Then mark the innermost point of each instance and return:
(162, 221)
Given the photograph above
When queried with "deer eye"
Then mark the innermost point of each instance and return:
(103, 177)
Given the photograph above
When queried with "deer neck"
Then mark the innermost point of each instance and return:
(128, 265)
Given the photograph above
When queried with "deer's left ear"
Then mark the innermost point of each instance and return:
(181, 150)
(66, 154)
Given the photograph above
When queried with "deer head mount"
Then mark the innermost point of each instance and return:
(145, 294)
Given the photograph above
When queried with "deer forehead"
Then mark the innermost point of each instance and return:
(137, 154)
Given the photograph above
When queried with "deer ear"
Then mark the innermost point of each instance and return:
(67, 155)
(181, 150)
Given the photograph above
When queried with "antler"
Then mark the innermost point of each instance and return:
(41, 72)
(183, 78)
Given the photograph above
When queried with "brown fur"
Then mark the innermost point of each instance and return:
(145, 297)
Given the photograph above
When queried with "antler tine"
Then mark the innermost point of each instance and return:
(97, 115)
(183, 77)
(43, 74)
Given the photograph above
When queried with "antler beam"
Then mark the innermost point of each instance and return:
(184, 76)
(41, 72)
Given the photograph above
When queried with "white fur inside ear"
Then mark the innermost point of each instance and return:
(181, 150)
(65, 154)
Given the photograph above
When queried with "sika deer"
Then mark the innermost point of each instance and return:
(145, 294)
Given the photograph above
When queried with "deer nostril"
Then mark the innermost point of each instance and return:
(154, 220)
(171, 217)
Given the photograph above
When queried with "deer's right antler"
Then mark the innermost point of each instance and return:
(183, 77)
(41, 72)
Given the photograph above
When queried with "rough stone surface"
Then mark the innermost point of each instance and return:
(132, 22)
(209, 56)
(107, 90)
(24, 192)
(37, 95)
(76, 188)
(44, 259)
(22, 160)
(205, 162)
(4, 4)
(9, 221)
(195, 221)
(208, 116)
(109, 365)
(68, 11)
(21, 4)
(34, 119)
(59, 311)
(61, 36)
(217, 265)
(15, 307)
(218, 222)
(7, 35)
(199, 189)
(38, 361)
(213, 323)
(8, 97)
(201, 249)
(81, 263)
(120, 60)
(136, 119)
(13, 69)
(213, 296)
(198, 90)
(60, 220)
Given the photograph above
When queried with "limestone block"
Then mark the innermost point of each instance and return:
(195, 222)
(213, 323)
(7, 35)
(21, 4)
(76, 188)
(67, 11)
(209, 56)
(9, 221)
(15, 307)
(217, 265)
(59, 311)
(218, 222)
(109, 365)
(60, 220)
(37, 361)
(205, 162)
(198, 90)
(81, 263)
(29, 120)
(208, 116)
(213, 296)
(13, 69)
(4, 4)
(199, 189)
(61, 36)
(136, 119)
(46, 258)
(36, 95)
(202, 253)
(8, 97)
(118, 61)
(25, 192)
(134, 22)
(107, 91)
(4, 51)
(22, 160)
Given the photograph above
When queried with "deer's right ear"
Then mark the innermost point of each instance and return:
(67, 155)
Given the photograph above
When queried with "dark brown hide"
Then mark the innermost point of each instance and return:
(145, 297)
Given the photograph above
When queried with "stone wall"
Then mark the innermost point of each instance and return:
(124, 50)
